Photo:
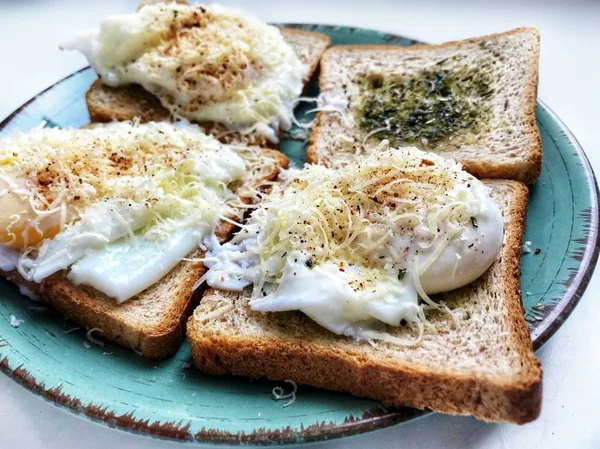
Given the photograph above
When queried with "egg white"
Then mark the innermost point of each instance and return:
(124, 268)
(134, 226)
(354, 295)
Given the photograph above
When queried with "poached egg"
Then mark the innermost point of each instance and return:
(117, 205)
(204, 63)
(357, 246)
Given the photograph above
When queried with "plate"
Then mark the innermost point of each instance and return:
(113, 385)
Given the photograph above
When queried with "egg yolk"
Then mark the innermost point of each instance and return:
(20, 226)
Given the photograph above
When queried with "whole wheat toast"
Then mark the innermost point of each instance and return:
(125, 103)
(483, 366)
(152, 322)
(508, 145)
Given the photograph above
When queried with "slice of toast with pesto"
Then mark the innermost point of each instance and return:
(482, 365)
(473, 101)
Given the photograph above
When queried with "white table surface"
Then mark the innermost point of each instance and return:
(30, 31)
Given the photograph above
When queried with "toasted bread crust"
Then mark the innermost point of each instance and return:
(123, 103)
(308, 364)
(319, 362)
(526, 172)
(91, 308)
(418, 47)
(323, 40)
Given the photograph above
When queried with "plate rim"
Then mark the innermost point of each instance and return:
(578, 283)
(370, 420)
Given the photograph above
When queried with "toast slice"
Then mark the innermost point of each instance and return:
(483, 366)
(488, 90)
(125, 103)
(152, 322)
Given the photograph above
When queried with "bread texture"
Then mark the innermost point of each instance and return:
(106, 103)
(308, 45)
(483, 365)
(152, 322)
(508, 146)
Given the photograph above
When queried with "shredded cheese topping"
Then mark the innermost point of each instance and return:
(365, 215)
(355, 247)
(50, 177)
(89, 335)
(278, 393)
(205, 63)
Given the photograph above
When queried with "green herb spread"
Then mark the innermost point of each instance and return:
(426, 107)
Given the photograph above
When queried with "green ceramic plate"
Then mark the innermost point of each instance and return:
(115, 386)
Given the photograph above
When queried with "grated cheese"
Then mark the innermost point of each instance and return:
(15, 322)
(354, 221)
(61, 173)
(91, 337)
(355, 246)
(205, 63)
(278, 393)
(138, 352)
